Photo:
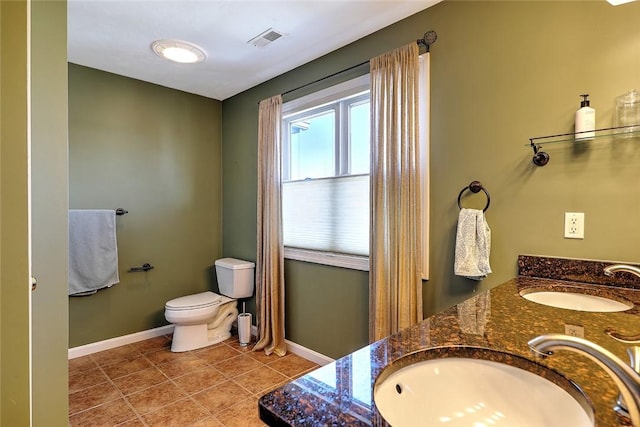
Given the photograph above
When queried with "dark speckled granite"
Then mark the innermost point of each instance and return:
(575, 270)
(499, 320)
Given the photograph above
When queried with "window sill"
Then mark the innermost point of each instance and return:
(353, 262)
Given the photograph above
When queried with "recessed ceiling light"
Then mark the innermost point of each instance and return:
(618, 2)
(178, 51)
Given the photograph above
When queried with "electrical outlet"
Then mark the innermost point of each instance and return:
(574, 330)
(574, 225)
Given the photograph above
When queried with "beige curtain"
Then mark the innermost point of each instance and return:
(395, 282)
(270, 253)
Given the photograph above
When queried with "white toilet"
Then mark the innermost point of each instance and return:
(204, 319)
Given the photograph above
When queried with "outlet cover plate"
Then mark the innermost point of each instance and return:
(574, 225)
(574, 330)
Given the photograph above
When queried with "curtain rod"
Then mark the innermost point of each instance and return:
(427, 40)
(325, 77)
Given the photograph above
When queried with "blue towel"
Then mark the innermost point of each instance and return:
(93, 251)
(473, 245)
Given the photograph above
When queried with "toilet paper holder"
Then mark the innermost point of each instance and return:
(244, 328)
(145, 267)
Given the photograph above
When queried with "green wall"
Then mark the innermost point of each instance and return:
(49, 207)
(33, 115)
(502, 72)
(15, 391)
(157, 153)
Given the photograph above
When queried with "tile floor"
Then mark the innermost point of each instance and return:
(145, 384)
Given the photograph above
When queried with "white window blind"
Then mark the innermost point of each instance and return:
(328, 214)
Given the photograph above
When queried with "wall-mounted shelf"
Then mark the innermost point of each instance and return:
(541, 158)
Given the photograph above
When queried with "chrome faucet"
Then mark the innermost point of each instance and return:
(634, 360)
(611, 269)
(623, 375)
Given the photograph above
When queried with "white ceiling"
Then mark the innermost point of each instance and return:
(116, 36)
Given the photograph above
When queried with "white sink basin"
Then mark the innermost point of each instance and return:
(458, 391)
(576, 301)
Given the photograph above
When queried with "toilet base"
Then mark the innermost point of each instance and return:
(192, 337)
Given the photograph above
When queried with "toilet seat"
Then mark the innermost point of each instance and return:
(196, 301)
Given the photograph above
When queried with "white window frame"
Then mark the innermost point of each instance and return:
(425, 147)
(340, 109)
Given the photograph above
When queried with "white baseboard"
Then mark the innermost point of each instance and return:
(308, 354)
(298, 350)
(96, 347)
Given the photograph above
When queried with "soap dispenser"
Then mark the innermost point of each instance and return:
(585, 120)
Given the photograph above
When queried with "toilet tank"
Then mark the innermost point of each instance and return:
(235, 277)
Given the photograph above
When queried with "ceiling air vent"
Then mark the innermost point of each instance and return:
(265, 38)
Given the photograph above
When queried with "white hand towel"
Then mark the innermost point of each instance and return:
(473, 245)
(474, 313)
(93, 251)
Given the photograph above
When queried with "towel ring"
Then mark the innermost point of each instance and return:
(475, 187)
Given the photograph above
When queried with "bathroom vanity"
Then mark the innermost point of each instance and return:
(502, 320)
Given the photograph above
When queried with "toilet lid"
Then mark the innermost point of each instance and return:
(201, 300)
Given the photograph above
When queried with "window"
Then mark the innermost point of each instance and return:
(325, 194)
(329, 141)
(352, 379)
(326, 160)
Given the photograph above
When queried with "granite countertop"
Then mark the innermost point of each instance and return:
(340, 393)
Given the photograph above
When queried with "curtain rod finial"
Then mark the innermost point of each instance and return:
(428, 39)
